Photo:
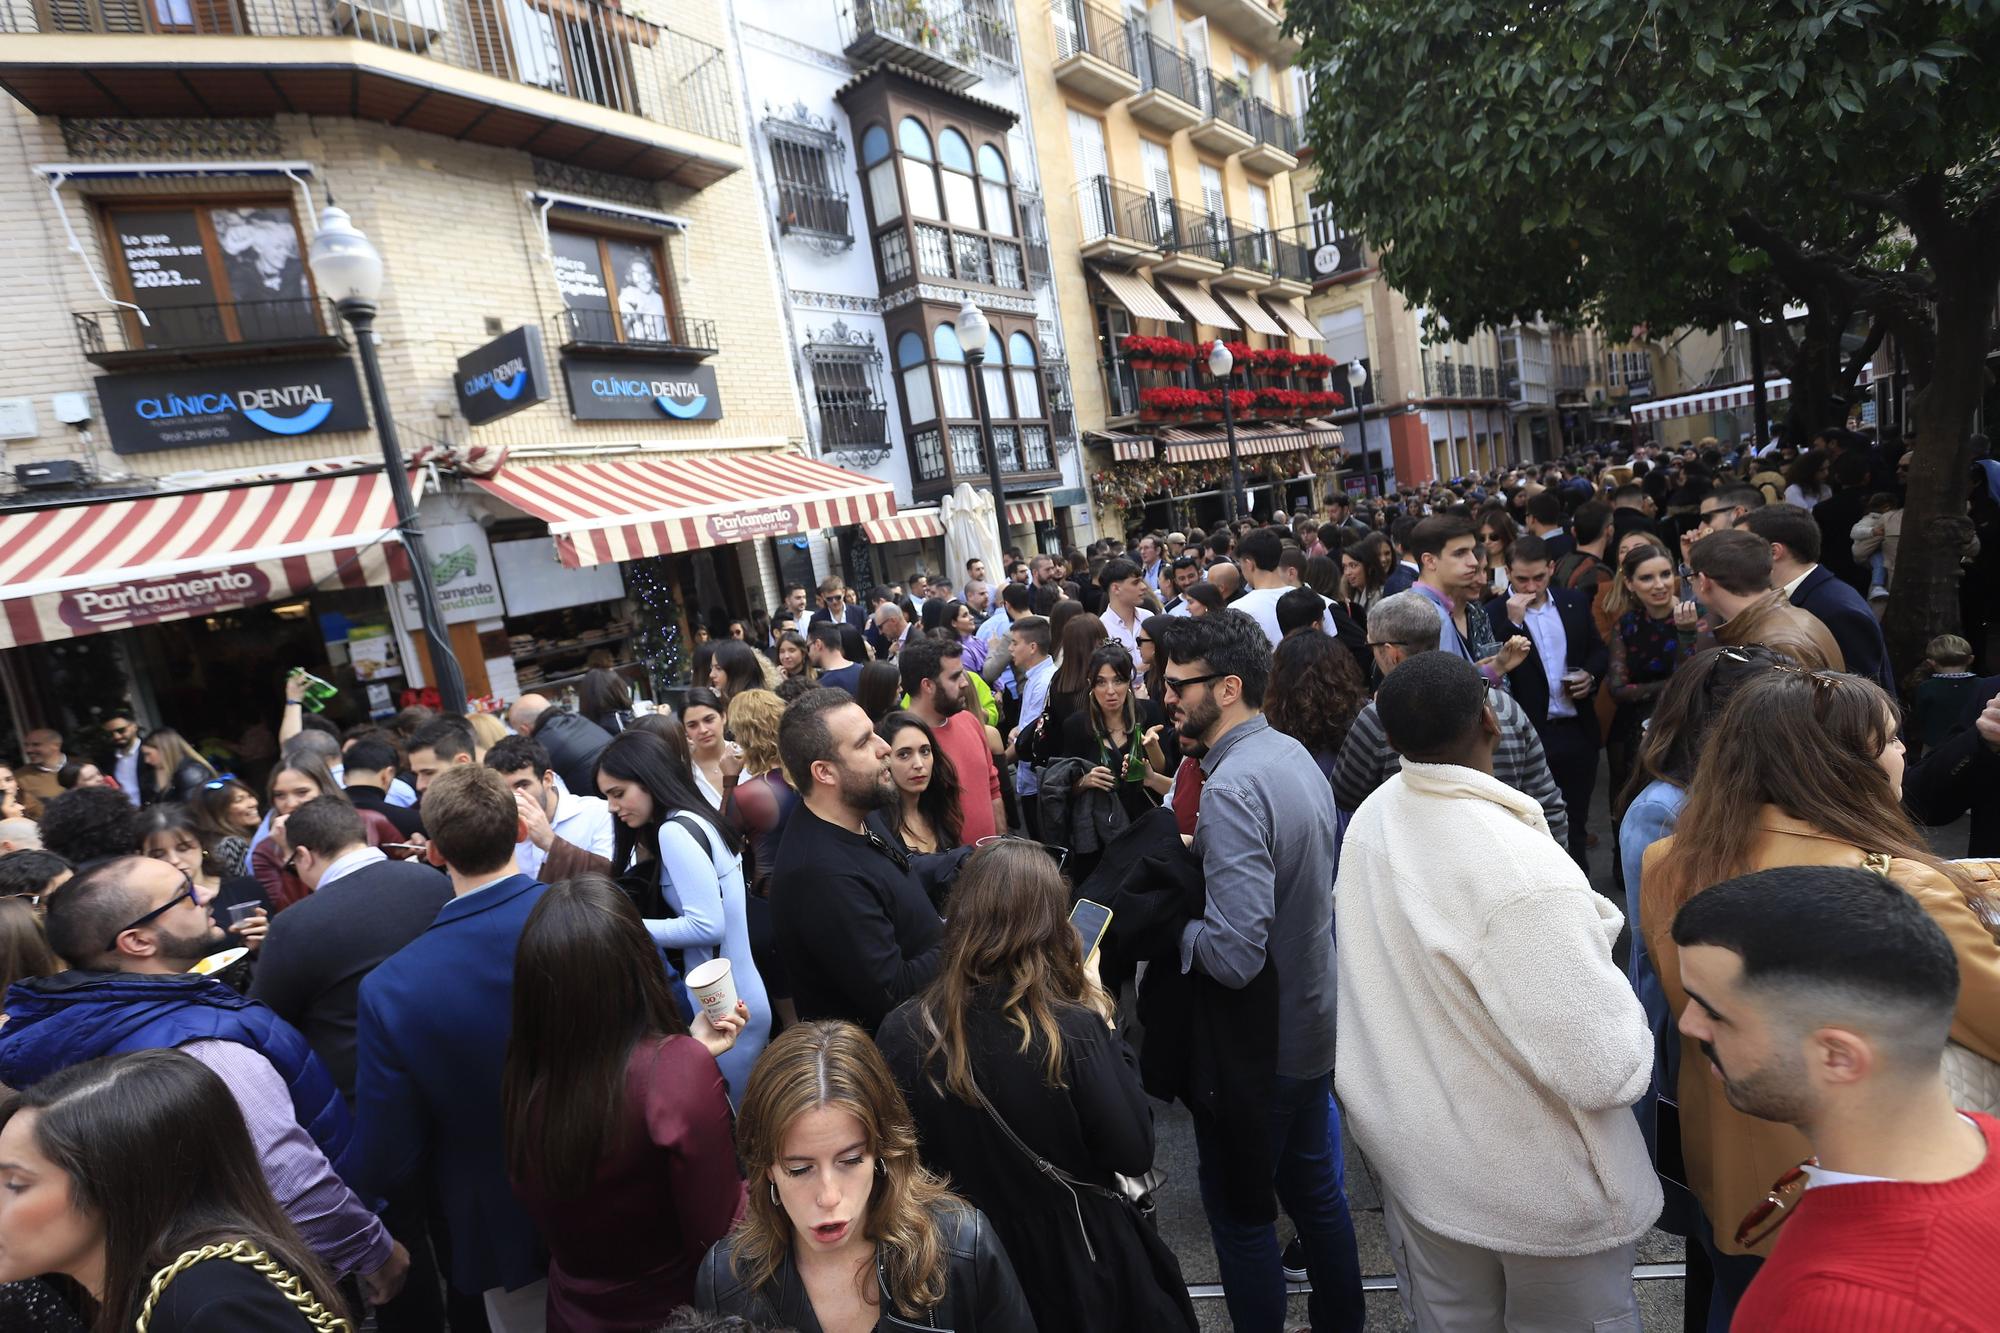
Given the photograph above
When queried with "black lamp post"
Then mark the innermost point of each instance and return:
(347, 267)
(1220, 363)
(974, 329)
(1357, 375)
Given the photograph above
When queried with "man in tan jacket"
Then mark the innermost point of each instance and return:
(1732, 578)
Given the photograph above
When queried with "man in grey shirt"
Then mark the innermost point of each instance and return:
(1266, 837)
(1400, 627)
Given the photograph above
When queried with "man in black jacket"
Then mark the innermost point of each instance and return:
(1962, 773)
(854, 928)
(834, 606)
(1557, 680)
(370, 766)
(1812, 587)
(572, 740)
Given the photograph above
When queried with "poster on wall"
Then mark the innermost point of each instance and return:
(462, 571)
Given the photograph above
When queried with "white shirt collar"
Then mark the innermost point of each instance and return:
(351, 862)
(1793, 586)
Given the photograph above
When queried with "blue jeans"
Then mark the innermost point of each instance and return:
(1311, 1183)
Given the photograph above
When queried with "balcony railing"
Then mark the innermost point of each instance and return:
(106, 335)
(813, 210)
(1104, 208)
(852, 421)
(1163, 69)
(1085, 29)
(993, 30)
(1250, 248)
(1191, 231)
(1230, 104)
(624, 330)
(586, 49)
(1573, 378)
(1290, 261)
(938, 38)
(1276, 128)
(1034, 236)
(963, 256)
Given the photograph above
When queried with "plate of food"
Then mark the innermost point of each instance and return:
(217, 962)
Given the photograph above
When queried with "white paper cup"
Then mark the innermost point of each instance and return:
(713, 988)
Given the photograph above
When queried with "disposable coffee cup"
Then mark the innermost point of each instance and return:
(713, 988)
(241, 912)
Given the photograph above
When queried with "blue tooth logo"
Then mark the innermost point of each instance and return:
(512, 388)
(685, 411)
(308, 420)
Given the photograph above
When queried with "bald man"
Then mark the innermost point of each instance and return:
(1227, 578)
(45, 758)
(572, 740)
(19, 835)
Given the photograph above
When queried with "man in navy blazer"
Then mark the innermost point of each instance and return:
(1547, 684)
(432, 1039)
(1812, 587)
(833, 604)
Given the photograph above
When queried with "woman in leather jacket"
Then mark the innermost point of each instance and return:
(172, 769)
(845, 1230)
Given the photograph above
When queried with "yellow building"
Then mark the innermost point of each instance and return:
(1178, 122)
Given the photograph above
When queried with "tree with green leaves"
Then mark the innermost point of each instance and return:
(1685, 162)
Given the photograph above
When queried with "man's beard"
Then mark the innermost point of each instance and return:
(188, 948)
(1773, 1092)
(1197, 718)
(947, 705)
(872, 789)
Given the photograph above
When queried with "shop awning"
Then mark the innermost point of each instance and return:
(1190, 446)
(627, 509)
(1723, 400)
(1137, 296)
(1254, 317)
(80, 569)
(1294, 318)
(1202, 307)
(916, 525)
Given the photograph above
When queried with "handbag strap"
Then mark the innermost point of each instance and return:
(1042, 1164)
(243, 1252)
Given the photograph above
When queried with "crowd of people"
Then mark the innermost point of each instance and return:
(772, 1010)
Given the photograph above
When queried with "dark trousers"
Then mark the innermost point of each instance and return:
(419, 1307)
(1571, 744)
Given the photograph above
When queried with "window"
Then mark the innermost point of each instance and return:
(805, 159)
(993, 190)
(885, 199)
(847, 389)
(1211, 192)
(954, 379)
(919, 180)
(915, 370)
(614, 288)
(1021, 369)
(212, 272)
(961, 192)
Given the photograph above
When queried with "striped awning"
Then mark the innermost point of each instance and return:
(76, 569)
(1254, 317)
(627, 509)
(1723, 400)
(1293, 317)
(916, 525)
(1201, 306)
(1191, 446)
(1137, 296)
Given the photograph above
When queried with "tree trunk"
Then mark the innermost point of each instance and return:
(1923, 599)
(1813, 374)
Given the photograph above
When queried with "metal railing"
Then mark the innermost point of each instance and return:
(848, 420)
(1084, 29)
(1191, 231)
(1489, 382)
(1162, 69)
(608, 328)
(1276, 128)
(586, 49)
(1230, 104)
(993, 30)
(1250, 248)
(193, 327)
(1104, 207)
(818, 210)
(1034, 227)
(1290, 260)
(915, 32)
(964, 256)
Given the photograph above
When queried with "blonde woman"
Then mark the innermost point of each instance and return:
(761, 802)
(175, 770)
(487, 732)
(845, 1230)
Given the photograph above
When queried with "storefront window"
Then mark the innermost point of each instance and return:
(885, 200)
(918, 396)
(212, 273)
(614, 289)
(919, 180)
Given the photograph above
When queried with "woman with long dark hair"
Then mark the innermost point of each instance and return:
(702, 722)
(927, 816)
(737, 667)
(1645, 649)
(617, 1121)
(134, 1177)
(1008, 1061)
(168, 833)
(226, 815)
(1067, 688)
(605, 699)
(794, 659)
(1803, 768)
(666, 830)
(844, 1228)
(1497, 534)
(1316, 691)
(963, 622)
(1109, 731)
(879, 689)
(302, 777)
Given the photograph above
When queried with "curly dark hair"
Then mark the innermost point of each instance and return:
(1316, 691)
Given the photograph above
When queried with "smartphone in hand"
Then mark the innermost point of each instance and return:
(1090, 920)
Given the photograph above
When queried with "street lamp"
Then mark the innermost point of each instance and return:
(1220, 363)
(973, 331)
(347, 267)
(1357, 375)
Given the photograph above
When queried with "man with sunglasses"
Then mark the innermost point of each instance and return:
(130, 929)
(124, 735)
(1823, 997)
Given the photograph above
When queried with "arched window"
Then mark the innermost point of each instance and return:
(993, 190)
(918, 396)
(961, 192)
(1027, 380)
(885, 197)
(919, 177)
(954, 379)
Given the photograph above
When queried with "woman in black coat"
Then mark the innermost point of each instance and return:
(987, 1112)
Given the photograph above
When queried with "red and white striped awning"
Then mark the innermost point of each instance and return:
(1189, 446)
(76, 569)
(916, 525)
(627, 509)
(1723, 400)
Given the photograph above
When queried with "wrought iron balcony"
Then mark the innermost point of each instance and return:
(1116, 219)
(1278, 140)
(932, 37)
(639, 333)
(1171, 93)
(206, 332)
(1093, 51)
(1230, 123)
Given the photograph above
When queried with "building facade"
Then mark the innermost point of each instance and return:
(580, 340)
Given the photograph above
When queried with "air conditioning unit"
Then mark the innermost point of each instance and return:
(409, 25)
(57, 474)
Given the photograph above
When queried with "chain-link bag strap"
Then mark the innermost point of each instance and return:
(243, 1252)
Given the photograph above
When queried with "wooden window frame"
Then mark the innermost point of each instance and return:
(669, 289)
(201, 206)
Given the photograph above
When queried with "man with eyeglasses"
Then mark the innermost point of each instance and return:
(853, 925)
(1267, 840)
(1721, 509)
(130, 929)
(123, 733)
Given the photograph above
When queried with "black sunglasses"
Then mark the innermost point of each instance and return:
(186, 891)
(1179, 684)
(890, 850)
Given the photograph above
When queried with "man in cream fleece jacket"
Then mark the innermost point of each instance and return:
(1489, 1051)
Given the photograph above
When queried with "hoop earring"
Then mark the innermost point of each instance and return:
(774, 1194)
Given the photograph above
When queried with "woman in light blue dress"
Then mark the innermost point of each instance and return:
(665, 828)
